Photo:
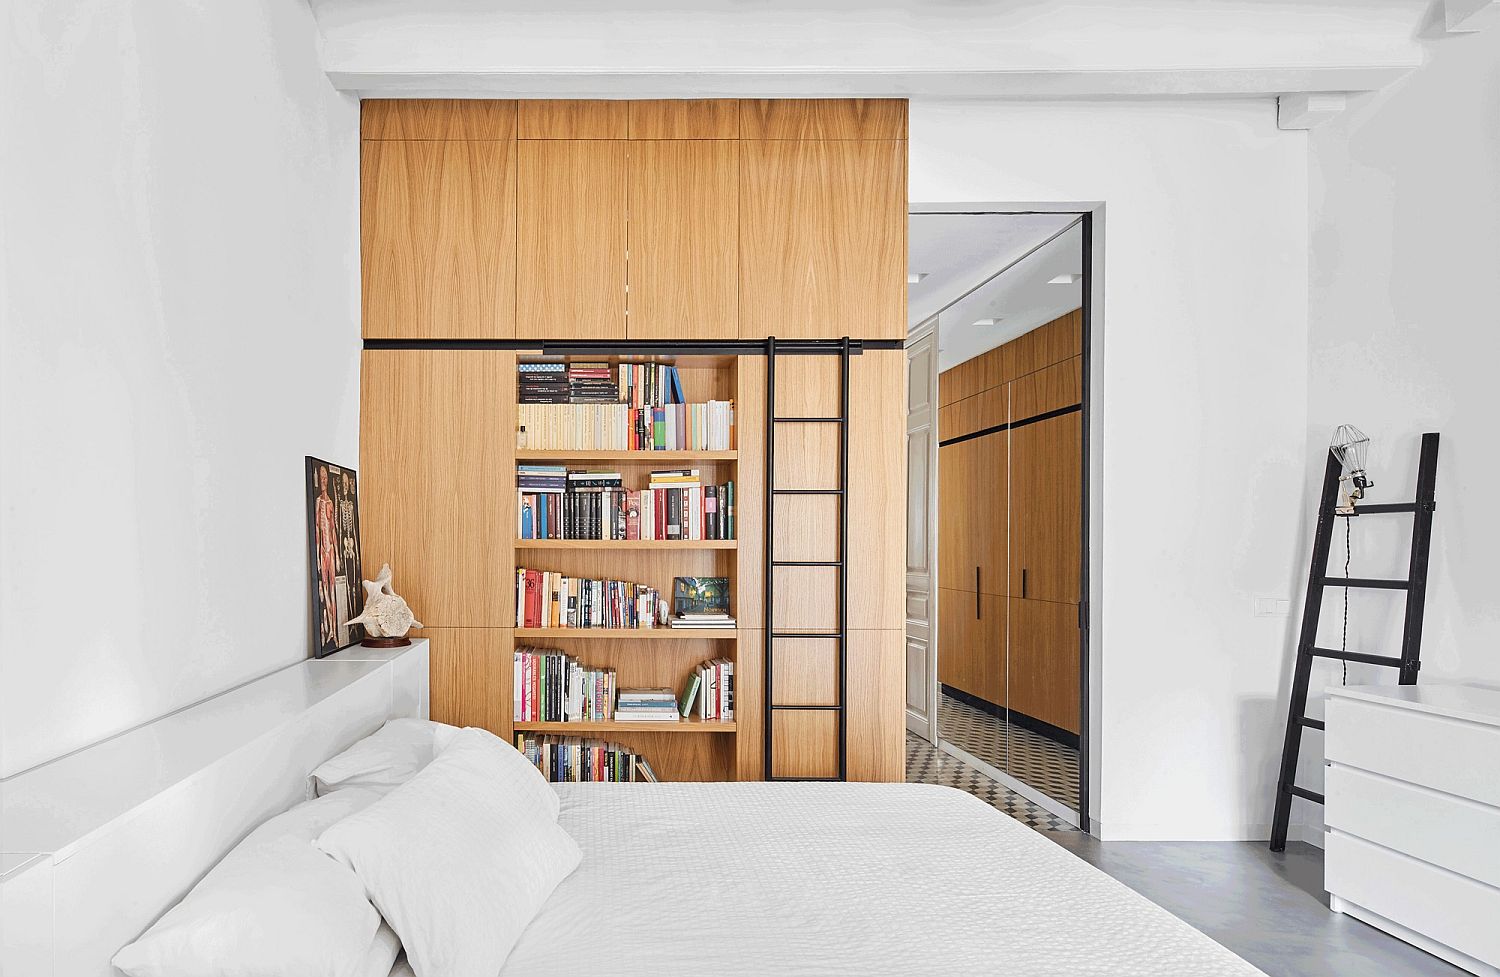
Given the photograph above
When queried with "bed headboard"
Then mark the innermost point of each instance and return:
(99, 843)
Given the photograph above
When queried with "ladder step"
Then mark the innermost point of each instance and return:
(1367, 583)
(812, 708)
(807, 491)
(808, 420)
(1377, 507)
(1305, 794)
(829, 635)
(804, 780)
(1357, 656)
(1311, 723)
(807, 563)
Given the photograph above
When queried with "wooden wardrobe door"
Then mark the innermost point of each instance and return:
(570, 234)
(436, 481)
(1045, 502)
(823, 239)
(1044, 665)
(971, 643)
(958, 552)
(438, 238)
(989, 515)
(684, 239)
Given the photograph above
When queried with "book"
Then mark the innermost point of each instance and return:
(549, 599)
(689, 693)
(700, 595)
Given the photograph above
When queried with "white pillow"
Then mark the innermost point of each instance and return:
(387, 757)
(274, 906)
(461, 857)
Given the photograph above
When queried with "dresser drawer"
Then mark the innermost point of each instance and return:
(1460, 835)
(1450, 755)
(1448, 908)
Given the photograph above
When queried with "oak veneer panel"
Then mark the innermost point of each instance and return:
(876, 710)
(971, 646)
(807, 527)
(807, 457)
(1058, 340)
(806, 671)
(470, 677)
(437, 239)
(823, 118)
(823, 239)
(1044, 661)
(436, 487)
(808, 386)
(807, 599)
(1048, 389)
(683, 240)
(959, 381)
(437, 118)
(973, 519)
(570, 238)
(572, 119)
(684, 118)
(804, 744)
(750, 430)
(1046, 499)
(986, 409)
(877, 490)
(749, 706)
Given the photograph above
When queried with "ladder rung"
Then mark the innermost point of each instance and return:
(1305, 794)
(1367, 583)
(829, 635)
(805, 780)
(1390, 661)
(807, 491)
(1311, 723)
(1377, 507)
(812, 708)
(807, 563)
(808, 420)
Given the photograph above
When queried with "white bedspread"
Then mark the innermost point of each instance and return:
(804, 879)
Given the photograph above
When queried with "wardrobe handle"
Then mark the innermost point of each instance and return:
(976, 593)
(1023, 581)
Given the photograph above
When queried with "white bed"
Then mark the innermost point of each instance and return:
(793, 879)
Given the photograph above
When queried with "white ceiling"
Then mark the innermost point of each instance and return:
(982, 266)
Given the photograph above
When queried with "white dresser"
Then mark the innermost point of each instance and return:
(1413, 815)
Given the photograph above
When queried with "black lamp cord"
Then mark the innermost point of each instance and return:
(1344, 645)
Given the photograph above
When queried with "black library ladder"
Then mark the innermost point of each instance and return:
(1409, 662)
(773, 490)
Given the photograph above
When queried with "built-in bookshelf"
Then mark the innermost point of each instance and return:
(692, 747)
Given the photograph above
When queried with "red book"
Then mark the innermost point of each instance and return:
(533, 617)
(632, 515)
(661, 514)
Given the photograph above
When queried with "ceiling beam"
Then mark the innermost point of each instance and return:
(1308, 111)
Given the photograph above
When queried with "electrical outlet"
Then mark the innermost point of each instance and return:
(1271, 606)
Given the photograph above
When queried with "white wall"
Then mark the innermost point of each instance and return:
(178, 230)
(1204, 363)
(1404, 305)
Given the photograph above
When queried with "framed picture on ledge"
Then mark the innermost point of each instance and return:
(333, 549)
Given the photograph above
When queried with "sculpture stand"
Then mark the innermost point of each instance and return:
(386, 642)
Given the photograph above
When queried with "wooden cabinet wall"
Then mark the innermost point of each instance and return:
(1010, 502)
(661, 219)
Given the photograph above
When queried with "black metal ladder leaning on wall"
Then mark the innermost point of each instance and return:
(773, 491)
(1409, 662)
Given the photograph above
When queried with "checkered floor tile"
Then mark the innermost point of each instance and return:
(1045, 764)
(925, 764)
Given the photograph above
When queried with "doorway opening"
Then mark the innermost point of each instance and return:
(998, 568)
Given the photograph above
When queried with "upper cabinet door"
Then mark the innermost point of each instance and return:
(438, 238)
(684, 239)
(1046, 499)
(823, 118)
(570, 235)
(823, 239)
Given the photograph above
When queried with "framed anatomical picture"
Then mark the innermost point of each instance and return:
(333, 550)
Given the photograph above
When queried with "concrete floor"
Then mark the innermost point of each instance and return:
(1269, 909)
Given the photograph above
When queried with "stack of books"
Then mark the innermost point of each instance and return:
(722, 621)
(709, 692)
(646, 705)
(540, 490)
(551, 687)
(569, 759)
(592, 383)
(543, 383)
(548, 599)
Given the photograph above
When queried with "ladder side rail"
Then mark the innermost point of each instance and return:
(1302, 670)
(768, 667)
(843, 569)
(1421, 546)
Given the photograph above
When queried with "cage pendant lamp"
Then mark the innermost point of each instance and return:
(1350, 447)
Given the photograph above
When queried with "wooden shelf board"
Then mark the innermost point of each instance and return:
(583, 454)
(630, 634)
(627, 544)
(690, 725)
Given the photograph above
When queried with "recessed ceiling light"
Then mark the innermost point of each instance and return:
(991, 321)
(1066, 280)
(913, 277)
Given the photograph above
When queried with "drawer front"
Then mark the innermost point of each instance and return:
(1452, 910)
(1459, 835)
(1449, 755)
